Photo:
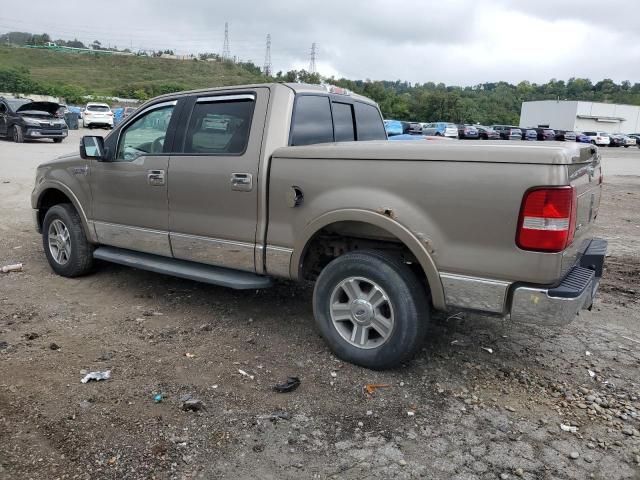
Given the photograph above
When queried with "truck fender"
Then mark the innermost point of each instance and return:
(385, 222)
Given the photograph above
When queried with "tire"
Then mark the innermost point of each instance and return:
(58, 140)
(78, 259)
(626, 146)
(402, 302)
(18, 134)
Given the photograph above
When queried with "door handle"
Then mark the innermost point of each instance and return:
(242, 182)
(155, 177)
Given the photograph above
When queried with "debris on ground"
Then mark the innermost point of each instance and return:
(31, 336)
(245, 374)
(4, 345)
(96, 376)
(288, 386)
(334, 374)
(275, 416)
(189, 355)
(192, 405)
(568, 428)
(54, 346)
(11, 268)
(487, 349)
(158, 398)
(370, 388)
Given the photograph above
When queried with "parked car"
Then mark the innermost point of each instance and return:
(468, 132)
(393, 127)
(616, 140)
(351, 216)
(565, 136)
(637, 138)
(508, 132)
(97, 115)
(529, 134)
(598, 138)
(415, 128)
(629, 141)
(582, 138)
(545, 134)
(440, 129)
(23, 119)
(487, 133)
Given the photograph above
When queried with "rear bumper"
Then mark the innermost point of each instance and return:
(559, 305)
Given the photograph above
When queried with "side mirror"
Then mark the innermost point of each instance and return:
(92, 147)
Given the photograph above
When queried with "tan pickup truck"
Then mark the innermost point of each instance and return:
(236, 186)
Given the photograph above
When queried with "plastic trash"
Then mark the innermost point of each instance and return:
(568, 428)
(370, 388)
(96, 376)
(158, 398)
(487, 349)
(245, 374)
(11, 268)
(193, 405)
(289, 386)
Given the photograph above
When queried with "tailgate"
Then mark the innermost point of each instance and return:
(586, 178)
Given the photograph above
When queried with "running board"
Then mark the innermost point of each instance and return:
(199, 272)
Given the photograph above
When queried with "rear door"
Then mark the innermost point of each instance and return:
(213, 187)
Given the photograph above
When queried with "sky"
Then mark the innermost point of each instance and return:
(457, 42)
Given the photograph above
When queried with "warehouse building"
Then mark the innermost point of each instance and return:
(581, 116)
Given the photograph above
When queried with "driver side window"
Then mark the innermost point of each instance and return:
(145, 136)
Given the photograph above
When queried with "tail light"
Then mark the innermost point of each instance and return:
(547, 220)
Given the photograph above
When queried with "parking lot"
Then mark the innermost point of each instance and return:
(485, 399)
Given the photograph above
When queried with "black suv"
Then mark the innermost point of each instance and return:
(22, 119)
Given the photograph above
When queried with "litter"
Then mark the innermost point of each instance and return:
(192, 405)
(189, 355)
(158, 398)
(289, 386)
(96, 376)
(587, 353)
(334, 374)
(487, 349)
(245, 374)
(370, 388)
(568, 428)
(275, 416)
(592, 374)
(11, 268)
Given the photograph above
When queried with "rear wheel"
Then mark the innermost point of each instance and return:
(65, 244)
(18, 134)
(371, 309)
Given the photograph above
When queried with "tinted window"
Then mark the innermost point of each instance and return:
(16, 104)
(220, 127)
(312, 121)
(369, 122)
(3, 108)
(98, 108)
(145, 135)
(343, 122)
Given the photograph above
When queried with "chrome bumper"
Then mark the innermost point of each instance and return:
(560, 305)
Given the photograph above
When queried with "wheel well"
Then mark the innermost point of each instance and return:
(341, 237)
(47, 200)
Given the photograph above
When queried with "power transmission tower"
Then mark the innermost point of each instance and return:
(266, 69)
(226, 50)
(312, 62)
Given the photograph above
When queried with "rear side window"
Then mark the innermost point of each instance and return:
(312, 121)
(369, 122)
(343, 122)
(219, 127)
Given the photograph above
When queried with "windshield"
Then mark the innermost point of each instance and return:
(98, 108)
(15, 104)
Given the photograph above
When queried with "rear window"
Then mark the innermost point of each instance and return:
(312, 121)
(343, 122)
(97, 108)
(369, 122)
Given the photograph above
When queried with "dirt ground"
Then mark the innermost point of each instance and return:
(457, 411)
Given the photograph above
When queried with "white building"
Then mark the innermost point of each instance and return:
(581, 116)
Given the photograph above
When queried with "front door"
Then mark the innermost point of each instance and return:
(4, 111)
(130, 208)
(213, 190)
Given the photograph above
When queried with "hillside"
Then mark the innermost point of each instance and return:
(122, 75)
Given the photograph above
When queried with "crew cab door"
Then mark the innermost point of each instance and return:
(213, 189)
(130, 208)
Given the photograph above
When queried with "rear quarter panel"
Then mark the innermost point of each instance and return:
(466, 212)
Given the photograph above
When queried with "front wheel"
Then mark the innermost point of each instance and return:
(58, 140)
(65, 244)
(371, 309)
(18, 134)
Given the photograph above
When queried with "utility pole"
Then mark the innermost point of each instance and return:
(266, 69)
(312, 62)
(226, 50)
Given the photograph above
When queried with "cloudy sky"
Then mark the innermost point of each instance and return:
(462, 42)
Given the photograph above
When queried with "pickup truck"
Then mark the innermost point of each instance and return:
(237, 186)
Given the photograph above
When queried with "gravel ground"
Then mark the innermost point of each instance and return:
(485, 399)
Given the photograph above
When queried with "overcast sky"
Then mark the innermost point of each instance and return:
(463, 42)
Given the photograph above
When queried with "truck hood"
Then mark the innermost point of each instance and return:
(66, 159)
(38, 107)
(558, 153)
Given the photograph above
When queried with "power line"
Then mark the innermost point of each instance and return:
(266, 69)
(312, 62)
(226, 49)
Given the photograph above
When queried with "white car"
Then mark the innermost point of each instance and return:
(97, 115)
(599, 138)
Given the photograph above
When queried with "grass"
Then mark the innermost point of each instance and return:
(107, 74)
